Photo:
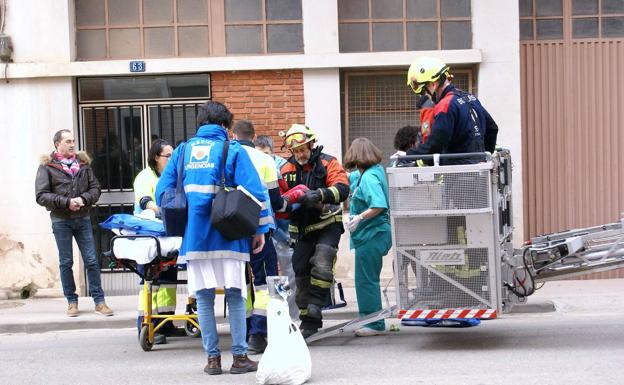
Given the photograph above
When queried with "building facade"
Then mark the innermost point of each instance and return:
(337, 65)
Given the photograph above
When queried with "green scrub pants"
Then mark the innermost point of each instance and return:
(368, 263)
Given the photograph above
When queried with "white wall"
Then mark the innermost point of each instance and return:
(321, 94)
(319, 35)
(496, 34)
(33, 110)
(40, 30)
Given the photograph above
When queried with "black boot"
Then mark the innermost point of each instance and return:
(257, 344)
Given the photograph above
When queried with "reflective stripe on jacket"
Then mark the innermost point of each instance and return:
(202, 171)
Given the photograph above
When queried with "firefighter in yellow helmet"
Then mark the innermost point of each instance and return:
(460, 123)
(317, 225)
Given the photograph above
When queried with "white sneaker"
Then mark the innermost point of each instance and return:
(368, 332)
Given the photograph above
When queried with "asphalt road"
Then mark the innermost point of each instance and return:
(544, 348)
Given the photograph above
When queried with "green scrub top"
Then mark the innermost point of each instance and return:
(371, 190)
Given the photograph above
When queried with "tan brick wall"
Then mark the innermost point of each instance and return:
(271, 100)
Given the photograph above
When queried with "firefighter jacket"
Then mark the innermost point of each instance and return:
(460, 125)
(201, 175)
(322, 172)
(54, 187)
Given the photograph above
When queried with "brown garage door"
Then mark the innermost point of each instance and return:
(572, 64)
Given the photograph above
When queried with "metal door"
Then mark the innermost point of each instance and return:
(118, 137)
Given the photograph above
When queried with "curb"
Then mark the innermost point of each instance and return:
(121, 323)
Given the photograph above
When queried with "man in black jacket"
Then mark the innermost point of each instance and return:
(67, 187)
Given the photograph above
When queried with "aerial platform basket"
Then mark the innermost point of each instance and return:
(450, 226)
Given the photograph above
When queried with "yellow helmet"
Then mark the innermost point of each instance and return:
(425, 70)
(298, 135)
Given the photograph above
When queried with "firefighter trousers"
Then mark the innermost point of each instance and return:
(313, 260)
(263, 264)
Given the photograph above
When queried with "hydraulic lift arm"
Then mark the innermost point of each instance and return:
(575, 252)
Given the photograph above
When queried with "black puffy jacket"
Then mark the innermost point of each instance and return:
(55, 187)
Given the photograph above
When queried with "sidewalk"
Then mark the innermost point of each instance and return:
(39, 315)
(48, 314)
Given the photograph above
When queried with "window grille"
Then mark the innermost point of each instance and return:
(378, 104)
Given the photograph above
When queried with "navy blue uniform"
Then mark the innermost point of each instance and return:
(460, 125)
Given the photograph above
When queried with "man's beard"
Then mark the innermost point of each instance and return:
(302, 162)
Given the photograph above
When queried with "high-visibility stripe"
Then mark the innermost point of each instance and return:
(320, 283)
(248, 301)
(293, 229)
(218, 254)
(213, 189)
(266, 220)
(202, 188)
(324, 223)
(446, 313)
(163, 309)
(336, 193)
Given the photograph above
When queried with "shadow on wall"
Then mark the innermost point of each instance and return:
(21, 274)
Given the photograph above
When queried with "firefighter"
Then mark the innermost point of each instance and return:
(460, 123)
(317, 225)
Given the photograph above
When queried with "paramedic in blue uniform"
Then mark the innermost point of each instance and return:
(214, 261)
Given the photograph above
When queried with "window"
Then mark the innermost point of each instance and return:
(587, 19)
(191, 86)
(263, 26)
(541, 19)
(400, 25)
(120, 29)
(125, 29)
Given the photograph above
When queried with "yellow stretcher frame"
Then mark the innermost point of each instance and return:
(148, 330)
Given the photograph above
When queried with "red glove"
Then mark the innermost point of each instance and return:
(283, 186)
(295, 193)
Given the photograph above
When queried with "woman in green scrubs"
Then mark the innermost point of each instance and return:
(369, 225)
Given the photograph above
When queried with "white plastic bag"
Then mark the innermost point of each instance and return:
(286, 360)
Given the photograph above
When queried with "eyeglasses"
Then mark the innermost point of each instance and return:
(165, 156)
(295, 140)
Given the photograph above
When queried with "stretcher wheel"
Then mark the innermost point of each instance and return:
(191, 330)
(144, 340)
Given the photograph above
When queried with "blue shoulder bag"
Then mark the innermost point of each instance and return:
(173, 204)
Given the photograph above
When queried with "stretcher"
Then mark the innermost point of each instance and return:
(156, 254)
